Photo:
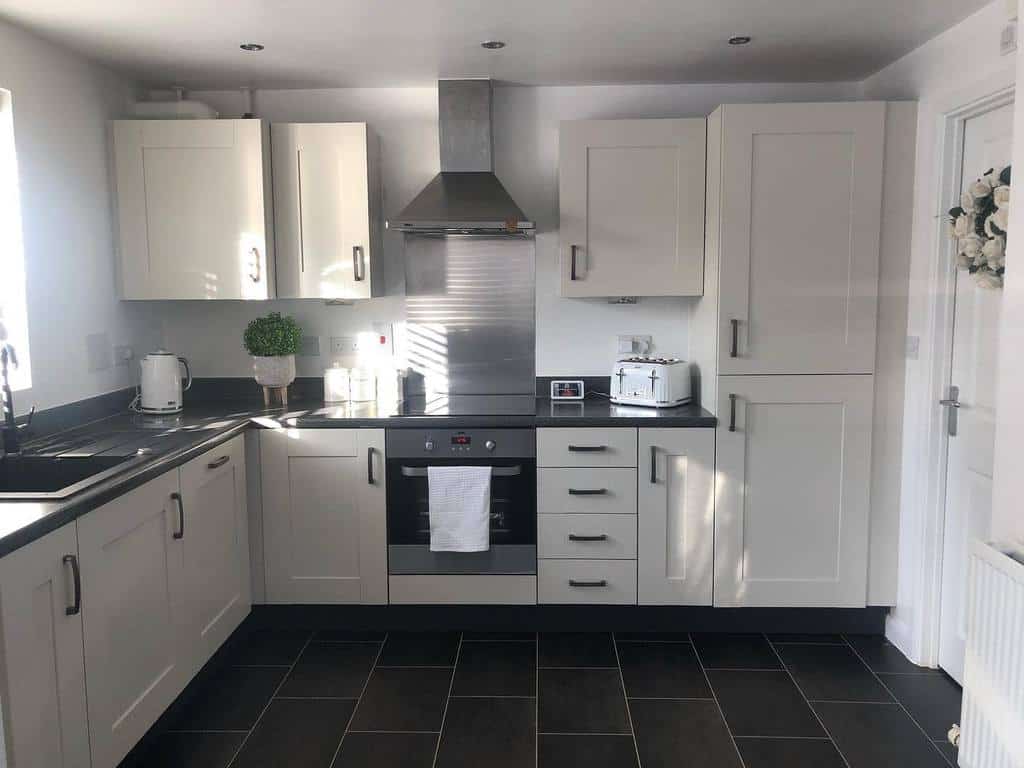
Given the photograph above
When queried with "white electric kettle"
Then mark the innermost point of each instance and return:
(161, 382)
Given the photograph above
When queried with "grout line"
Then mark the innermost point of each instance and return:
(899, 703)
(788, 738)
(205, 730)
(671, 698)
(584, 733)
(270, 701)
(498, 640)
(366, 730)
(718, 706)
(489, 696)
(808, 702)
(536, 703)
(417, 666)
(447, 701)
(625, 696)
(352, 717)
(654, 642)
(744, 669)
(549, 667)
(849, 701)
(259, 666)
(317, 698)
(925, 672)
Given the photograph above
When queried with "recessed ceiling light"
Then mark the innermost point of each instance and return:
(493, 45)
(251, 47)
(739, 40)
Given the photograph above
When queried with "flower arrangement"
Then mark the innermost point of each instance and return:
(979, 224)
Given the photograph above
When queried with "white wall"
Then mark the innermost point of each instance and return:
(61, 104)
(574, 336)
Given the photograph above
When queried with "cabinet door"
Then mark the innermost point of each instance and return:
(631, 202)
(191, 209)
(324, 521)
(675, 517)
(322, 210)
(801, 193)
(133, 612)
(215, 548)
(791, 517)
(42, 671)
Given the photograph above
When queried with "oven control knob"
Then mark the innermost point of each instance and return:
(490, 445)
(428, 446)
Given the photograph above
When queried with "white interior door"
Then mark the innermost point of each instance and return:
(987, 143)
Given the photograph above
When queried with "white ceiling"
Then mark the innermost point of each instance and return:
(310, 43)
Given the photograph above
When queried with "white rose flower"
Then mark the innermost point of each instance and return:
(964, 225)
(971, 247)
(967, 202)
(984, 278)
(980, 189)
(1001, 218)
(995, 252)
(962, 261)
(1001, 196)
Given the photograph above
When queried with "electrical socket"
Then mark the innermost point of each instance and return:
(344, 345)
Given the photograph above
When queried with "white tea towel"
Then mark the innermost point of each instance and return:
(460, 508)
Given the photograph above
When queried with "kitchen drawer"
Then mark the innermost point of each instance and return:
(565, 490)
(586, 447)
(564, 581)
(619, 532)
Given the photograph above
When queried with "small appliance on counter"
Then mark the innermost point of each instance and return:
(654, 382)
(161, 388)
(336, 385)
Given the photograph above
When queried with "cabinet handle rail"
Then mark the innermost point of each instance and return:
(588, 491)
(370, 479)
(76, 575)
(218, 462)
(588, 448)
(580, 537)
(732, 413)
(598, 583)
(180, 533)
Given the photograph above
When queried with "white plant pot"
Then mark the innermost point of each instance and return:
(274, 371)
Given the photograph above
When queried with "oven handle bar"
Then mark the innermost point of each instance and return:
(495, 471)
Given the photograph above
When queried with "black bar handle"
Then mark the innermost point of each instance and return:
(588, 491)
(369, 467)
(735, 350)
(76, 574)
(732, 413)
(654, 464)
(587, 448)
(180, 533)
(599, 583)
(572, 262)
(218, 462)
(598, 537)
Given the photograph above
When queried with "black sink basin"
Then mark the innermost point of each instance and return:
(42, 477)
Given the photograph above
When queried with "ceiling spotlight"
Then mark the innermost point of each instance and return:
(493, 45)
(251, 47)
(739, 40)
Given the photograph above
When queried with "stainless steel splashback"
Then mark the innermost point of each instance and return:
(470, 316)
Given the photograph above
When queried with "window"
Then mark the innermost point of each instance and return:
(13, 309)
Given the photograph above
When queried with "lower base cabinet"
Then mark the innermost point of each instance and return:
(42, 672)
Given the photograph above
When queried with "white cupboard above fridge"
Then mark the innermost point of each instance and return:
(192, 209)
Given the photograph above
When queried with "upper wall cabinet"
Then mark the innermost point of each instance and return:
(631, 197)
(327, 211)
(192, 216)
(794, 205)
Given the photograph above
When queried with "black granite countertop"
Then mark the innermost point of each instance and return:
(168, 442)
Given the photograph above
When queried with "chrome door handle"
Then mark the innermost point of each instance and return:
(255, 272)
(952, 405)
(358, 263)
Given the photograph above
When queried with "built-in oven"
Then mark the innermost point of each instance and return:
(511, 455)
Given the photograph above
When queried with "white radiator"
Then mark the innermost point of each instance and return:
(992, 721)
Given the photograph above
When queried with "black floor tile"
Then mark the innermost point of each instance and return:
(230, 700)
(662, 670)
(682, 733)
(789, 753)
(878, 736)
(582, 701)
(403, 700)
(948, 750)
(720, 651)
(387, 750)
(347, 636)
(266, 646)
(832, 673)
(653, 637)
(932, 700)
(496, 669)
(414, 649)
(806, 637)
(298, 733)
(191, 750)
(763, 704)
(526, 637)
(331, 670)
(497, 733)
(882, 656)
(577, 649)
(586, 752)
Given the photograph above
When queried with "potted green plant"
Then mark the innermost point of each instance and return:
(273, 341)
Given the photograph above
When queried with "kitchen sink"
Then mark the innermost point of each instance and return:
(56, 477)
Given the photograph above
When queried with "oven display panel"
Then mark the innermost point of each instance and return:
(462, 440)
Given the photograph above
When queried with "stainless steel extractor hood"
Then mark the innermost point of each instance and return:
(465, 197)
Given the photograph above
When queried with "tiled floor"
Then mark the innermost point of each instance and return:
(509, 700)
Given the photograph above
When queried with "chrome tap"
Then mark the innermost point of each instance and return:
(11, 429)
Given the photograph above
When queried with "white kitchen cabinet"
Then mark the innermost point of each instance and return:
(133, 590)
(42, 671)
(631, 207)
(676, 516)
(327, 211)
(794, 207)
(793, 473)
(215, 548)
(194, 218)
(324, 515)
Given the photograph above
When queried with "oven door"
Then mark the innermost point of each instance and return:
(513, 530)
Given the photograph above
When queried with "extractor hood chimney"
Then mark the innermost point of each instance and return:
(466, 196)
